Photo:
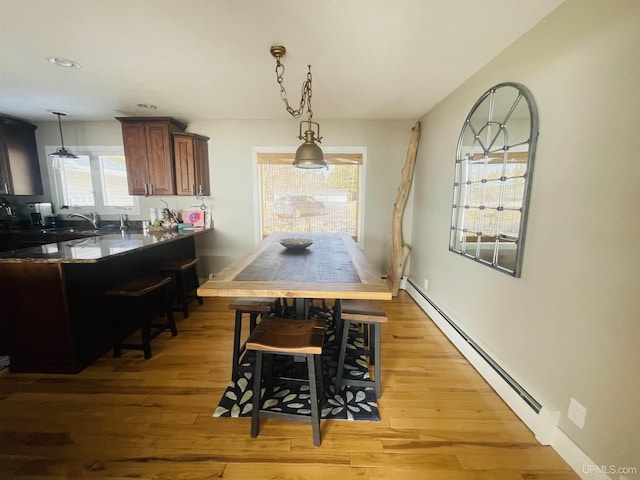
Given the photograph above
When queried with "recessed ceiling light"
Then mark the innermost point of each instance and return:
(63, 62)
(148, 106)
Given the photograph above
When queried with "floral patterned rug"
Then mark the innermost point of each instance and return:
(290, 396)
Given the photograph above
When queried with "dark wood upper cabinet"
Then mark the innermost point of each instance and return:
(19, 165)
(191, 153)
(148, 150)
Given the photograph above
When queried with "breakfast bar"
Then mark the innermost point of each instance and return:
(55, 315)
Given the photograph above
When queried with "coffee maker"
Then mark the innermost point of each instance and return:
(41, 214)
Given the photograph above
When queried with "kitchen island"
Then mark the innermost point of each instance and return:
(55, 316)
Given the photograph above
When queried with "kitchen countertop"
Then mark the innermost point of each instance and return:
(95, 248)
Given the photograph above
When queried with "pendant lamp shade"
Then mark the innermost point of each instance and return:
(309, 154)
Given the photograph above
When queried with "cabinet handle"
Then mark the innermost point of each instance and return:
(146, 190)
(6, 188)
(151, 189)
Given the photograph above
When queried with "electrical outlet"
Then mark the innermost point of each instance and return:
(577, 412)
(426, 284)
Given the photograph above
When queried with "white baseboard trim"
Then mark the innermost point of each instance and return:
(577, 459)
(543, 424)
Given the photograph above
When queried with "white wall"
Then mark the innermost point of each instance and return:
(570, 326)
(232, 173)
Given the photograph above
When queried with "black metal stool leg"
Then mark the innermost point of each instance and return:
(257, 377)
(343, 351)
(375, 357)
(313, 391)
(236, 345)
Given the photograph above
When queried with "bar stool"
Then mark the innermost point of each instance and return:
(185, 275)
(371, 315)
(140, 302)
(274, 335)
(255, 307)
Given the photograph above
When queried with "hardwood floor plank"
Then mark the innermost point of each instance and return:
(152, 419)
(330, 472)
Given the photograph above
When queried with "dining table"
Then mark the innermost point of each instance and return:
(331, 266)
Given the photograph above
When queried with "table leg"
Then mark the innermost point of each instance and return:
(301, 306)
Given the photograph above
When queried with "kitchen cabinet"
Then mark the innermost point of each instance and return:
(19, 165)
(191, 154)
(148, 150)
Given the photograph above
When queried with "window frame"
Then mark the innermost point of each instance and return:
(257, 194)
(94, 153)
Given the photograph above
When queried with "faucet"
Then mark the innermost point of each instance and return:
(93, 220)
(4, 203)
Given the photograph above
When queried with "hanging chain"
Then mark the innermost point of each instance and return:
(305, 94)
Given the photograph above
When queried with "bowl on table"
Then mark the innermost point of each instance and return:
(296, 243)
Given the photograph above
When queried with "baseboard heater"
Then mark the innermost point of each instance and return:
(505, 376)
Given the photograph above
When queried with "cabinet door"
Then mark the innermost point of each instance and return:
(19, 164)
(159, 155)
(134, 138)
(185, 165)
(202, 167)
(191, 154)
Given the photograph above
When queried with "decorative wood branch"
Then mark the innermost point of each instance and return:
(400, 251)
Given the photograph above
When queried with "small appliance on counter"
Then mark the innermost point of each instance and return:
(41, 214)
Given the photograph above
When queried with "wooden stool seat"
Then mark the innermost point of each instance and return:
(142, 300)
(274, 335)
(185, 273)
(283, 335)
(371, 314)
(138, 287)
(254, 307)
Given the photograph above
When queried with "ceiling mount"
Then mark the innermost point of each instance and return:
(278, 51)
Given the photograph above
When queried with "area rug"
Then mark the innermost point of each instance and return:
(352, 403)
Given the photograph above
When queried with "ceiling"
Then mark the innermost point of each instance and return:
(210, 60)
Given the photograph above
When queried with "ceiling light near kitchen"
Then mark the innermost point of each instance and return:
(63, 62)
(61, 152)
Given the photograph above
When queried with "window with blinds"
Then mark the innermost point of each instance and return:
(303, 200)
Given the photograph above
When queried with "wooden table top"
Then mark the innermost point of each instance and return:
(332, 267)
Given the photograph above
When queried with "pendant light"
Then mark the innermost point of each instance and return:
(309, 154)
(61, 152)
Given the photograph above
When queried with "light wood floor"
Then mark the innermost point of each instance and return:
(131, 418)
